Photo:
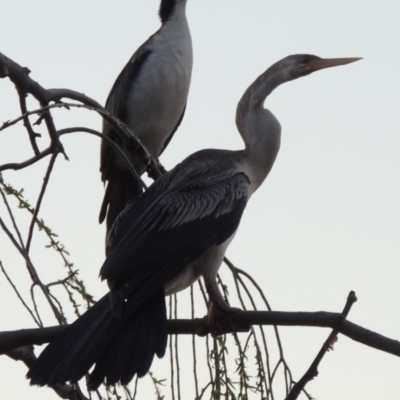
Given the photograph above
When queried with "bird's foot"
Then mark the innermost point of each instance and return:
(217, 323)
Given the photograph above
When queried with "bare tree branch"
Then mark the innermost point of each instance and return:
(27, 356)
(20, 77)
(115, 147)
(32, 134)
(25, 85)
(23, 302)
(39, 200)
(312, 372)
(228, 324)
(32, 271)
(58, 94)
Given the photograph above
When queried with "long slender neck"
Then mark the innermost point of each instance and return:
(169, 7)
(260, 130)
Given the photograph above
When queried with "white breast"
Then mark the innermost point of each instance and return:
(159, 94)
(207, 266)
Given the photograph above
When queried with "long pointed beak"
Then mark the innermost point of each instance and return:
(321, 63)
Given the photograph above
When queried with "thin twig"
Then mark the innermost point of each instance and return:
(35, 307)
(19, 295)
(23, 203)
(39, 200)
(31, 133)
(196, 383)
(312, 372)
(32, 270)
(171, 353)
(11, 214)
(27, 163)
(178, 372)
(121, 129)
(114, 145)
(237, 271)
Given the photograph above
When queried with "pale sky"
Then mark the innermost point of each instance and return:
(327, 219)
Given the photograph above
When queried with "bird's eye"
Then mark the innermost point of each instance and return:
(306, 60)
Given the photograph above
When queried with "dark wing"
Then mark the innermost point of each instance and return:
(175, 229)
(197, 205)
(122, 186)
(174, 130)
(115, 103)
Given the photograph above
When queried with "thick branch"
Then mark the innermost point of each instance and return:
(58, 94)
(20, 77)
(12, 339)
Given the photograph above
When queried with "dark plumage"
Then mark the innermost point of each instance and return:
(149, 96)
(120, 348)
(194, 207)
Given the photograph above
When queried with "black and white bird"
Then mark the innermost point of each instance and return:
(166, 239)
(150, 96)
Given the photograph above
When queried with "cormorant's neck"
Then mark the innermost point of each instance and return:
(168, 7)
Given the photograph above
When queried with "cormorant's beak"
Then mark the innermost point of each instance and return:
(321, 63)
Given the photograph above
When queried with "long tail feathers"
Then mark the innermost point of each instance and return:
(120, 349)
(133, 348)
(120, 189)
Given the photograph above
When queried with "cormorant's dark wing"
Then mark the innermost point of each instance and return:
(122, 186)
(174, 130)
(116, 100)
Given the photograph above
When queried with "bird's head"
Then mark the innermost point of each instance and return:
(299, 65)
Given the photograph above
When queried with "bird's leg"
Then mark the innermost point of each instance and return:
(219, 308)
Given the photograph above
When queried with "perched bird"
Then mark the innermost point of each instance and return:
(149, 96)
(165, 239)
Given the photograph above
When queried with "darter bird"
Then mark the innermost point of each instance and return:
(166, 239)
